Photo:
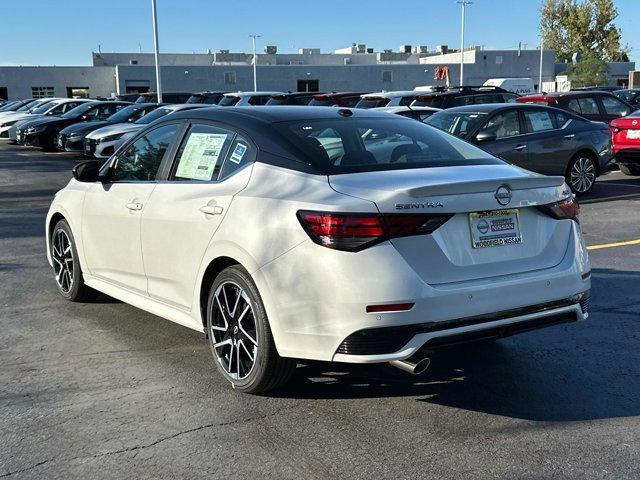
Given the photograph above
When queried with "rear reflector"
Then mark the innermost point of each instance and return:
(567, 209)
(393, 307)
(353, 232)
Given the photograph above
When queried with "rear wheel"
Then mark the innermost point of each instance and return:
(581, 174)
(632, 170)
(66, 267)
(240, 336)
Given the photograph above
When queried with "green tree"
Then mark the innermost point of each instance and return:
(587, 26)
(589, 70)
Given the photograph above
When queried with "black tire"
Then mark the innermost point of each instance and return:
(73, 289)
(267, 370)
(631, 170)
(581, 174)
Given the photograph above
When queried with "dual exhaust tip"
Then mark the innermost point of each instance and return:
(414, 368)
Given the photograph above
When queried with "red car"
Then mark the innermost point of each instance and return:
(626, 143)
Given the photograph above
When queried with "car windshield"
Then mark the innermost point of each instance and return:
(8, 106)
(456, 123)
(79, 110)
(125, 114)
(156, 114)
(25, 108)
(626, 95)
(351, 145)
(43, 107)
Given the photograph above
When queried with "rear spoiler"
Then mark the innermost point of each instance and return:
(484, 186)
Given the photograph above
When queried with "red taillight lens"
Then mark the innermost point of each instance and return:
(568, 209)
(353, 232)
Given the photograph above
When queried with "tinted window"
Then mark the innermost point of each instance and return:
(538, 120)
(463, 101)
(406, 101)
(322, 102)
(488, 98)
(458, 123)
(141, 160)
(588, 106)
(201, 153)
(613, 106)
(277, 100)
(374, 144)
(259, 99)
(629, 96)
(349, 101)
(240, 154)
(372, 102)
(42, 108)
(503, 125)
(509, 97)
(574, 105)
(561, 119)
(153, 116)
(229, 100)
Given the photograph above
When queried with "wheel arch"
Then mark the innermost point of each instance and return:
(588, 152)
(214, 268)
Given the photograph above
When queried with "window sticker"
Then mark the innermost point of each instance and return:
(200, 155)
(238, 153)
(540, 121)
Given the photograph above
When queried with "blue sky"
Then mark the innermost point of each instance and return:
(53, 32)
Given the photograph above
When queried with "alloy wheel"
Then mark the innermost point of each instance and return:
(62, 260)
(582, 175)
(233, 330)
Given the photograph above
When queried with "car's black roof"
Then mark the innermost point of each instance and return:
(493, 107)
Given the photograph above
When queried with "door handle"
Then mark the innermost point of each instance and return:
(211, 209)
(519, 148)
(134, 206)
(570, 136)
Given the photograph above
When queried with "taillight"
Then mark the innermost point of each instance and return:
(567, 209)
(353, 232)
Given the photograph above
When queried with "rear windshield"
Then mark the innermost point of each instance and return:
(209, 98)
(627, 95)
(277, 100)
(350, 145)
(434, 101)
(456, 123)
(372, 102)
(229, 101)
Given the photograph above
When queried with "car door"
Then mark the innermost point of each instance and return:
(502, 136)
(112, 210)
(549, 146)
(186, 209)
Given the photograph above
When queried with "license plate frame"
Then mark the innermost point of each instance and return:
(495, 228)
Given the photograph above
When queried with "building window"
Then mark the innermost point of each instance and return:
(41, 92)
(229, 78)
(3, 93)
(78, 92)
(498, 59)
(387, 76)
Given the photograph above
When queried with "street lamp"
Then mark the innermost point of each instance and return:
(464, 4)
(255, 61)
(157, 49)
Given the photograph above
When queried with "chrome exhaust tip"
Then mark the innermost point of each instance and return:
(410, 367)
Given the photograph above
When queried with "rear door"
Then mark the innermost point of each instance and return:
(549, 146)
(211, 165)
(509, 143)
(587, 106)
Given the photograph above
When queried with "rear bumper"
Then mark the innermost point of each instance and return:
(628, 156)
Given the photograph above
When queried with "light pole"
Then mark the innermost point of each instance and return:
(255, 61)
(157, 49)
(541, 52)
(464, 4)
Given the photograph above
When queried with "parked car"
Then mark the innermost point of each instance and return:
(16, 104)
(212, 98)
(417, 113)
(387, 99)
(71, 138)
(593, 105)
(167, 97)
(26, 107)
(54, 107)
(540, 139)
(630, 96)
(336, 99)
(295, 98)
(246, 99)
(240, 224)
(626, 143)
(443, 97)
(42, 132)
(104, 141)
(7, 106)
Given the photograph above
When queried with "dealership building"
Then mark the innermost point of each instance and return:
(355, 68)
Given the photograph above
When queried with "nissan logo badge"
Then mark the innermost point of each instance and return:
(503, 195)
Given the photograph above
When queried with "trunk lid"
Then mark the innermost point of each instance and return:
(448, 254)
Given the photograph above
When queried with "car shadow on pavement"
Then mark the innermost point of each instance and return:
(582, 371)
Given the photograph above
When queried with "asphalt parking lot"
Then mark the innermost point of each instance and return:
(106, 390)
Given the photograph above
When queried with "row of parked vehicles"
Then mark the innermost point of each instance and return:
(577, 134)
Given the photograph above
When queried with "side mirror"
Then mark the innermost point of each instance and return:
(87, 172)
(483, 137)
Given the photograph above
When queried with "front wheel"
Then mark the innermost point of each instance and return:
(240, 336)
(66, 267)
(581, 174)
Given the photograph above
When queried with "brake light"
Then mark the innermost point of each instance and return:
(353, 232)
(568, 209)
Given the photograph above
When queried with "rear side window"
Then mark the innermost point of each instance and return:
(613, 106)
(240, 154)
(201, 153)
(503, 125)
(538, 120)
(584, 106)
(561, 119)
(140, 161)
(375, 144)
